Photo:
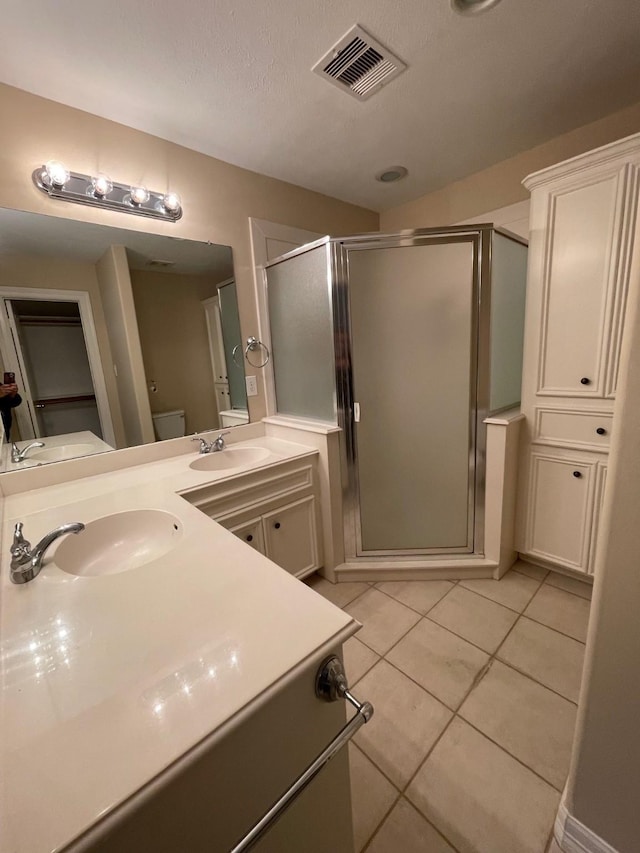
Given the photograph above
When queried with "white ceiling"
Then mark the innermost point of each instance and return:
(232, 78)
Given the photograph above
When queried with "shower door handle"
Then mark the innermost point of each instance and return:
(356, 412)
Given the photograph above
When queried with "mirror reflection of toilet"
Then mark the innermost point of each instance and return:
(169, 424)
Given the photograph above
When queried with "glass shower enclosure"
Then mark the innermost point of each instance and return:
(408, 342)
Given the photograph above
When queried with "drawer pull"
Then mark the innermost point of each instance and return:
(577, 474)
(585, 381)
(249, 538)
(601, 431)
(277, 525)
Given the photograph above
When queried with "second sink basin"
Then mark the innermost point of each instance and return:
(119, 542)
(64, 451)
(230, 457)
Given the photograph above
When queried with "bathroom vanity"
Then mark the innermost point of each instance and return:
(159, 673)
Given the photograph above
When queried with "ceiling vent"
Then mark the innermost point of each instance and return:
(359, 65)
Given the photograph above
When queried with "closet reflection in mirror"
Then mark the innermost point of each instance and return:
(115, 337)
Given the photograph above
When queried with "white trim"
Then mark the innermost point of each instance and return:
(83, 300)
(299, 423)
(575, 837)
(623, 149)
(260, 231)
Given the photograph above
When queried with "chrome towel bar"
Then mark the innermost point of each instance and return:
(331, 685)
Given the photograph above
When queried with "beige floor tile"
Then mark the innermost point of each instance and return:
(547, 656)
(531, 571)
(561, 610)
(574, 585)
(371, 796)
(477, 619)
(406, 831)
(482, 799)
(406, 722)
(339, 594)
(419, 595)
(529, 721)
(442, 663)
(358, 659)
(384, 620)
(513, 590)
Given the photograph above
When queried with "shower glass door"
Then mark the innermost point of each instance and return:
(412, 312)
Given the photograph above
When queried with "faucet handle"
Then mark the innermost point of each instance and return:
(19, 544)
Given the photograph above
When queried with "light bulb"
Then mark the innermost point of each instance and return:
(139, 195)
(171, 202)
(56, 173)
(101, 185)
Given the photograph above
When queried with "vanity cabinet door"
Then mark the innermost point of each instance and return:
(251, 533)
(291, 536)
(561, 508)
(581, 292)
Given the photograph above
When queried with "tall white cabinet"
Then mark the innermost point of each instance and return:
(584, 227)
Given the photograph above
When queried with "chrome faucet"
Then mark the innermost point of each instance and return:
(21, 455)
(213, 446)
(26, 563)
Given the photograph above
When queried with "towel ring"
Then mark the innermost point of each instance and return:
(253, 345)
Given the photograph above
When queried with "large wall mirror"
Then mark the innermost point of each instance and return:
(111, 338)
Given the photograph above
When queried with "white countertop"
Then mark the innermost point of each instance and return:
(70, 445)
(108, 680)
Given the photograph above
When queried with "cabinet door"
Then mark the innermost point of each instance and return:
(291, 537)
(251, 533)
(580, 286)
(560, 510)
(223, 400)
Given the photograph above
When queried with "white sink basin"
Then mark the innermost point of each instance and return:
(230, 457)
(119, 542)
(64, 451)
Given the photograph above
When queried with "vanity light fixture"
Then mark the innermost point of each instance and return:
(99, 190)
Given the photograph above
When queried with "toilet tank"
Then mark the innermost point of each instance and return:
(169, 424)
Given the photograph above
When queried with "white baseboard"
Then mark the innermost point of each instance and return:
(575, 837)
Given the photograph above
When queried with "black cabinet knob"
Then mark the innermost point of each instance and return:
(585, 381)
(601, 431)
(249, 538)
(277, 525)
(577, 474)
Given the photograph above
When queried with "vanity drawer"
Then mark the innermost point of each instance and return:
(591, 430)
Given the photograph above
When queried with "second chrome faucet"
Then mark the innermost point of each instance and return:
(211, 446)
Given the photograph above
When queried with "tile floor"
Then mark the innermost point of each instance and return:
(474, 686)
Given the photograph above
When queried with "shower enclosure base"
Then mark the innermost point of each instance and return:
(425, 569)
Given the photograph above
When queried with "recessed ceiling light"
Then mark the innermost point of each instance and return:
(393, 173)
(472, 7)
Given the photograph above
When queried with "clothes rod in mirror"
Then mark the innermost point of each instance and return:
(99, 190)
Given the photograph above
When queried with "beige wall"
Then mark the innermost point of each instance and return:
(63, 274)
(175, 346)
(112, 272)
(603, 789)
(501, 185)
(218, 198)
